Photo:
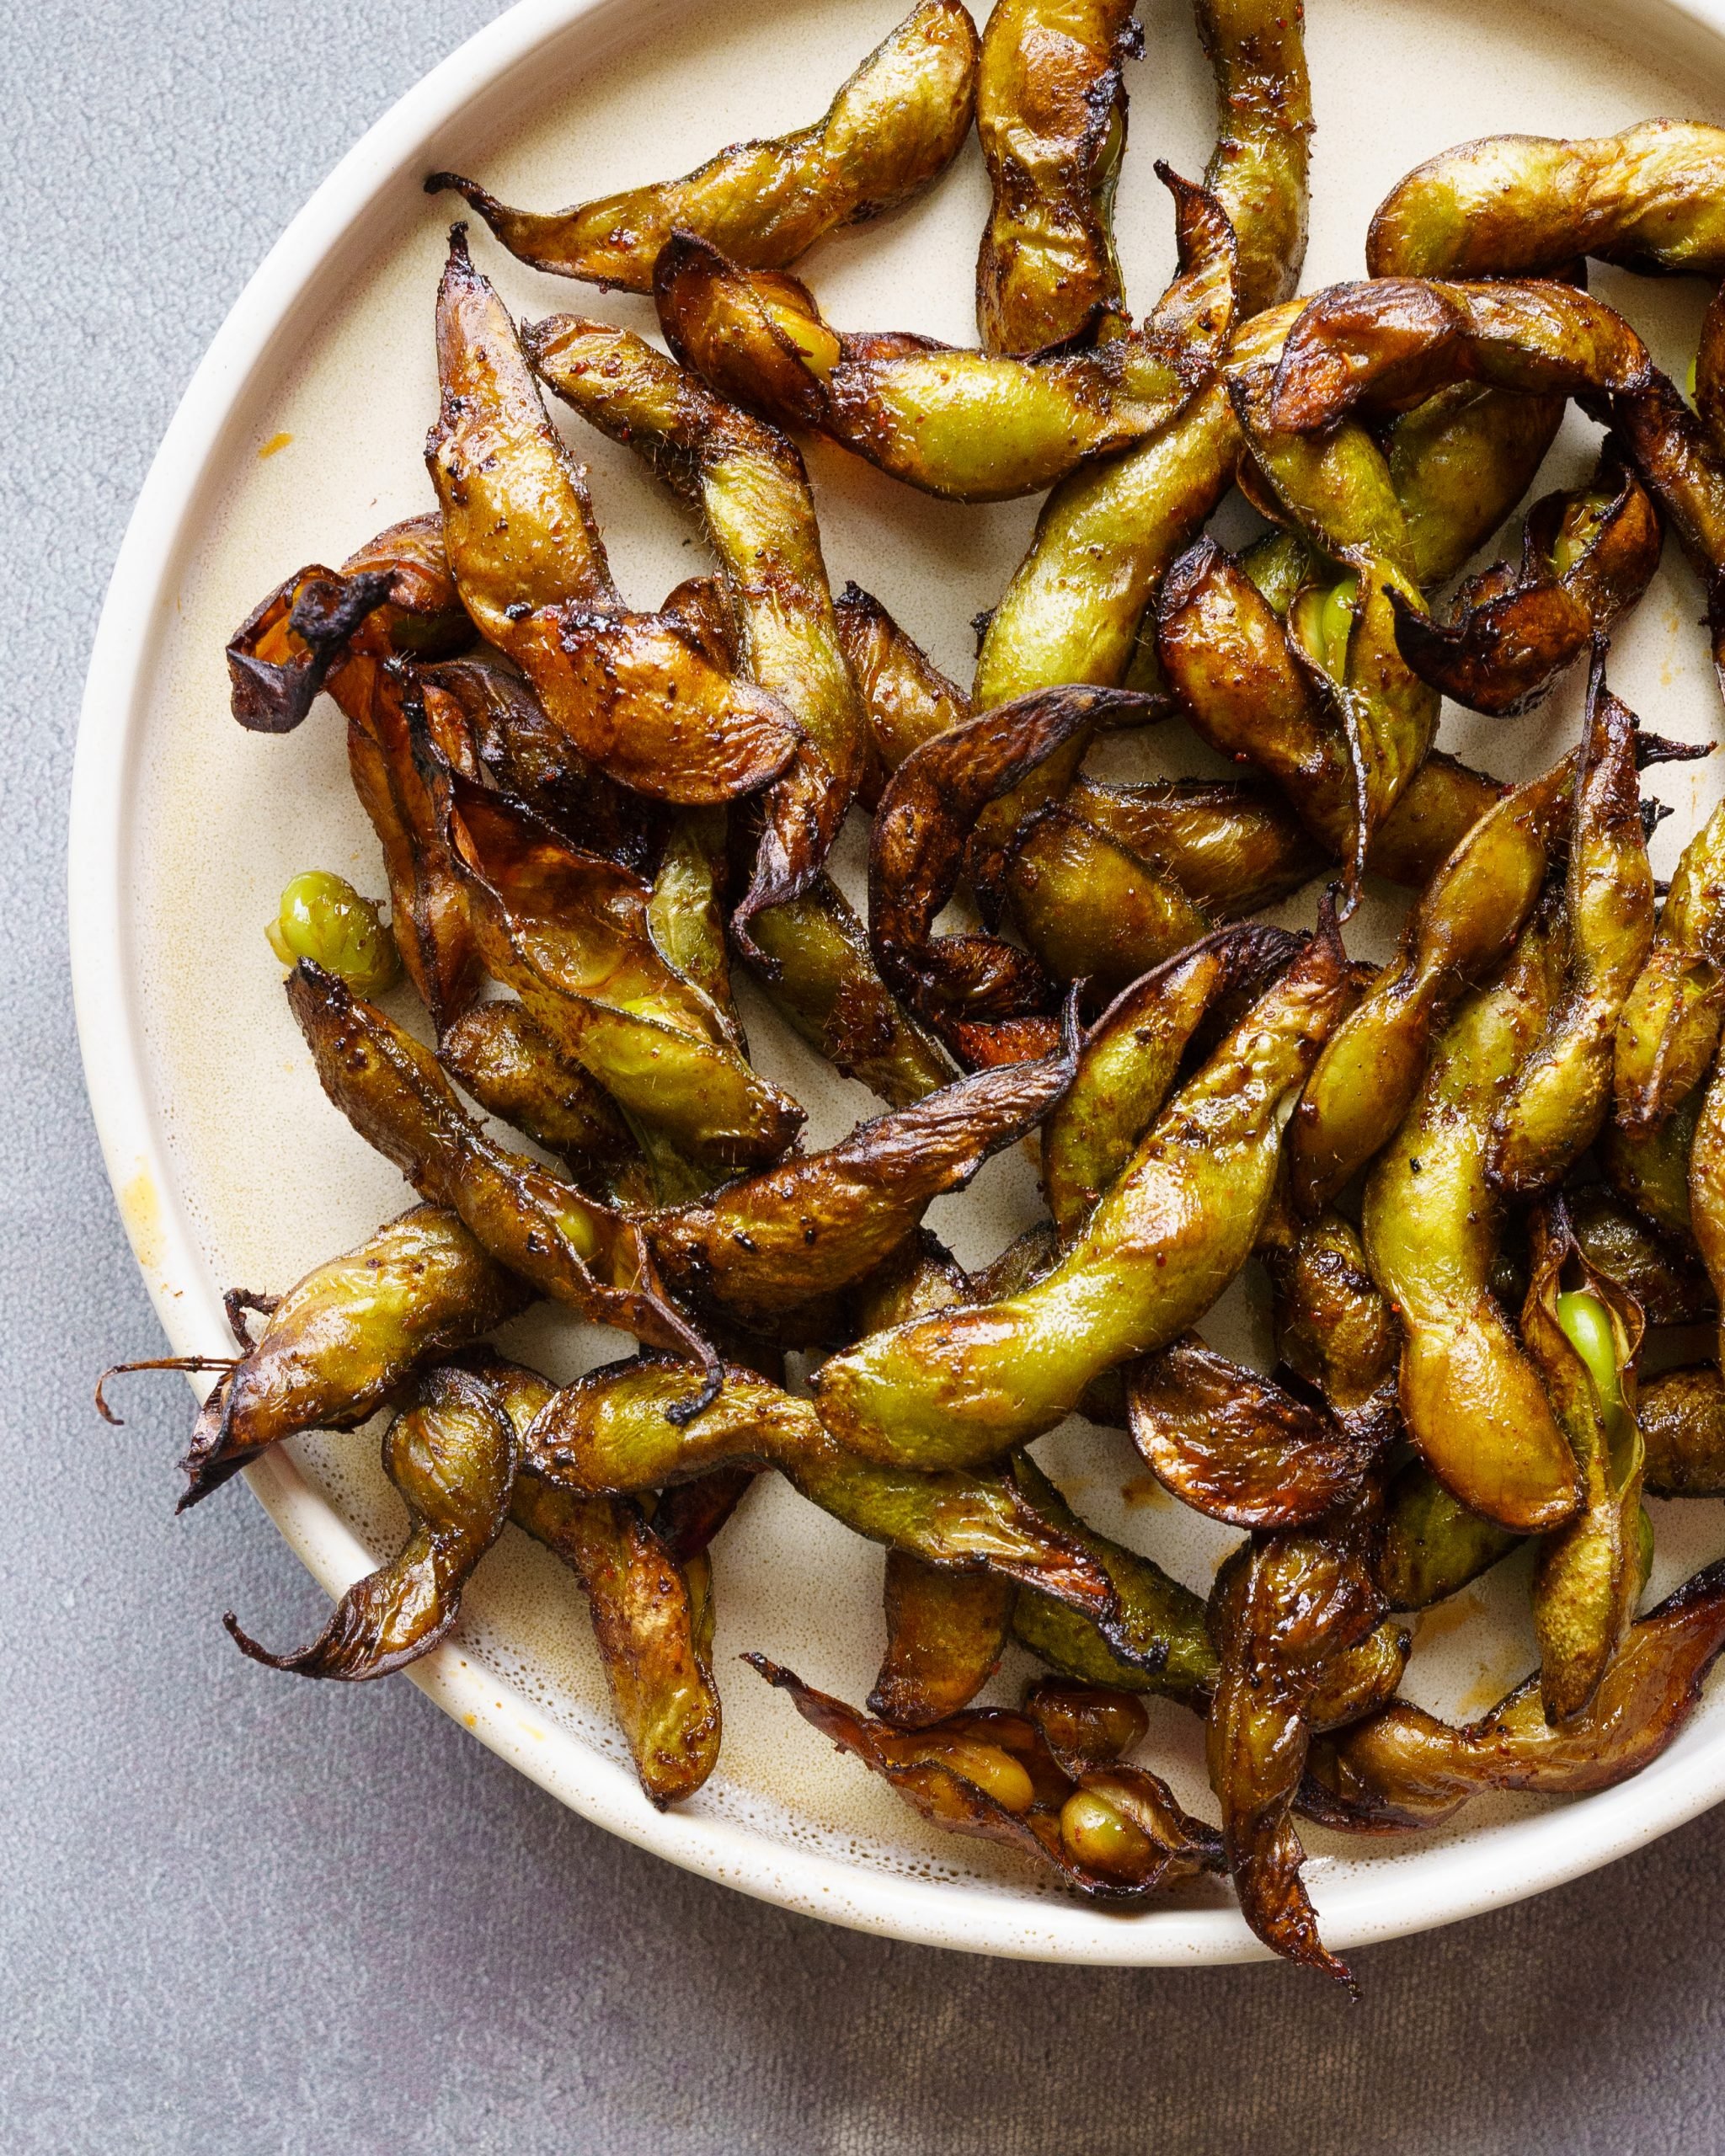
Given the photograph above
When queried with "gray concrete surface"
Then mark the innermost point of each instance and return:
(239, 1915)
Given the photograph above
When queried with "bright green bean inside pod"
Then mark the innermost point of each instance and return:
(1323, 621)
(323, 918)
(1587, 1327)
(1096, 1834)
(1579, 529)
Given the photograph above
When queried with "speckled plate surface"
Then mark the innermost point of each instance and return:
(300, 435)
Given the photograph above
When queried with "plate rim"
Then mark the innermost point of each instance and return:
(1466, 1877)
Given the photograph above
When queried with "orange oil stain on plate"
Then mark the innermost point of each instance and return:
(141, 1210)
(274, 446)
(1447, 1617)
(1143, 1489)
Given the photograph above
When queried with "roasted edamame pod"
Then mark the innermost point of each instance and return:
(1650, 1169)
(1129, 1060)
(965, 1386)
(894, 127)
(1584, 1339)
(1114, 1835)
(1433, 1545)
(1231, 847)
(1091, 908)
(945, 1634)
(1664, 1276)
(1559, 1100)
(1386, 345)
(612, 1430)
(907, 698)
(966, 425)
(1682, 1418)
(345, 1340)
(1670, 1023)
(637, 694)
(1258, 170)
(452, 1458)
(1334, 1328)
(1471, 1402)
(648, 1621)
(1706, 1180)
(1051, 119)
(1234, 1445)
(820, 1221)
(1282, 1612)
(963, 984)
(1247, 690)
(1462, 924)
(573, 935)
(1586, 558)
(1647, 199)
(391, 1090)
(1405, 1768)
(512, 1070)
(759, 515)
(1459, 462)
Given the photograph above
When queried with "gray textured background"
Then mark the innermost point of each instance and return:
(243, 1914)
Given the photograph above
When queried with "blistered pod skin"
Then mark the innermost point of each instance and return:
(1384, 345)
(1461, 926)
(452, 1457)
(1089, 908)
(637, 694)
(1584, 1340)
(1706, 1180)
(1258, 171)
(1051, 119)
(345, 1339)
(1471, 1400)
(965, 1386)
(1669, 1029)
(1682, 1418)
(1561, 1097)
(945, 1634)
(894, 126)
(1519, 204)
(1404, 1769)
(1432, 1544)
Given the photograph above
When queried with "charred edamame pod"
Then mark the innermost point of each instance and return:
(1385, 344)
(636, 693)
(1258, 171)
(1433, 1545)
(1471, 1402)
(1682, 1418)
(1231, 847)
(647, 1622)
(928, 811)
(391, 1090)
(1051, 119)
(906, 697)
(1706, 1182)
(1582, 1335)
(969, 426)
(759, 515)
(1282, 1611)
(1090, 908)
(1557, 1101)
(573, 935)
(1669, 1029)
(1234, 1446)
(945, 1634)
(894, 127)
(1650, 1169)
(1586, 558)
(1462, 924)
(1114, 1834)
(1459, 462)
(510, 1068)
(1128, 1061)
(611, 1431)
(1179, 1223)
(341, 1343)
(1648, 199)
(1247, 690)
(1666, 1278)
(820, 1221)
(452, 1458)
(1405, 1768)
(1333, 1328)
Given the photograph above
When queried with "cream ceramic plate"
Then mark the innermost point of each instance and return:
(300, 435)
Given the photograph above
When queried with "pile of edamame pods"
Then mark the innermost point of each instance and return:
(1475, 1176)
